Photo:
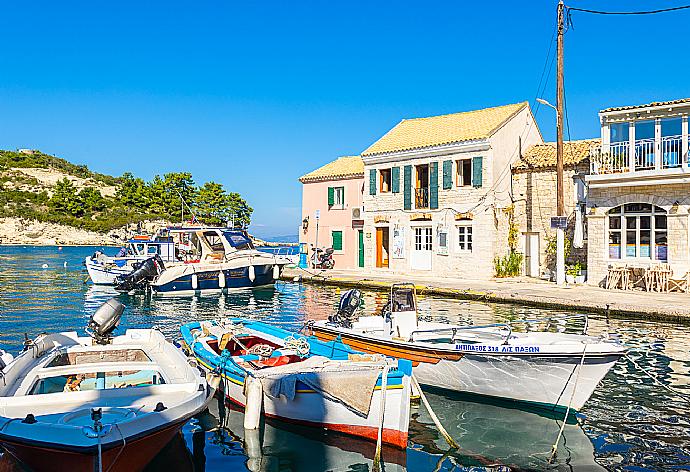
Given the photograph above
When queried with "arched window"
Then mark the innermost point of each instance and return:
(637, 231)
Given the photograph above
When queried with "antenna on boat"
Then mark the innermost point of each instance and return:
(183, 203)
(105, 320)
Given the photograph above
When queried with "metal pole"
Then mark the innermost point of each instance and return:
(560, 208)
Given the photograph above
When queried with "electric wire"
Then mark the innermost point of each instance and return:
(647, 12)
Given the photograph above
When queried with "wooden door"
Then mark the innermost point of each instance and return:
(381, 247)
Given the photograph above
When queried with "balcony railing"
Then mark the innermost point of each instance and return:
(614, 158)
(421, 197)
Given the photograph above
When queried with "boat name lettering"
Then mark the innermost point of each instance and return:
(483, 348)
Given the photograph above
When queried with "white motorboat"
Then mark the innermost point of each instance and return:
(100, 402)
(545, 369)
(226, 259)
(104, 269)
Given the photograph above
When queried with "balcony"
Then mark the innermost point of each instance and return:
(421, 197)
(640, 160)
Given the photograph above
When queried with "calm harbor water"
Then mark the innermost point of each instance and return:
(630, 423)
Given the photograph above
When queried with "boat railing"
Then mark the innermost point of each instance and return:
(507, 325)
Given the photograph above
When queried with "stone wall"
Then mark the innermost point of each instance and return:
(601, 200)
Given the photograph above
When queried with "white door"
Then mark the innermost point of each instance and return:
(420, 259)
(532, 254)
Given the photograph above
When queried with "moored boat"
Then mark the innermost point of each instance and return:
(104, 269)
(556, 371)
(226, 260)
(98, 402)
(303, 380)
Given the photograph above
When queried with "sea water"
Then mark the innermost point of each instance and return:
(630, 423)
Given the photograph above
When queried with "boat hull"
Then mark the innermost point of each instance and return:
(134, 456)
(543, 381)
(105, 273)
(210, 281)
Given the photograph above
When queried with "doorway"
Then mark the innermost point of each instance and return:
(420, 258)
(382, 247)
(422, 188)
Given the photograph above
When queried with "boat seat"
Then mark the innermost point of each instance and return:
(404, 324)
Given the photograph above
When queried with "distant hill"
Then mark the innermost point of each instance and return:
(49, 189)
(291, 239)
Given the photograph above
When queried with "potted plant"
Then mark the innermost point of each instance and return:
(573, 274)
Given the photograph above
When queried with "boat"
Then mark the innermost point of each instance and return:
(224, 259)
(97, 402)
(303, 380)
(556, 371)
(104, 269)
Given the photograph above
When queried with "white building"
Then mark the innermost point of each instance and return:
(437, 191)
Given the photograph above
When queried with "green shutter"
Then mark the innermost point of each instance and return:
(337, 237)
(477, 172)
(331, 196)
(395, 178)
(372, 181)
(447, 174)
(433, 185)
(407, 187)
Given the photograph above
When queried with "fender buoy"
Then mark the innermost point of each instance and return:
(254, 400)
(221, 279)
(276, 272)
(195, 282)
(252, 273)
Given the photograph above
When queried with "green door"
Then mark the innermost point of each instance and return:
(361, 248)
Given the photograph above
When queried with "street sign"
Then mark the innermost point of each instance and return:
(317, 214)
(559, 222)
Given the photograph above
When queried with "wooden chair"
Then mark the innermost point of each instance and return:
(680, 284)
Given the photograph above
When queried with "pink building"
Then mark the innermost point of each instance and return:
(332, 210)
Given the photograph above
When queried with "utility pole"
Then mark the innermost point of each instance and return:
(560, 207)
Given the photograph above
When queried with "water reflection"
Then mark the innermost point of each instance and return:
(629, 423)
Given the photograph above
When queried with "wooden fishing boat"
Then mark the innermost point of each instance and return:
(303, 380)
(97, 402)
(545, 369)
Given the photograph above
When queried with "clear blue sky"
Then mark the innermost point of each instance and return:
(254, 94)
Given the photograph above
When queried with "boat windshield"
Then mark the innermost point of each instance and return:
(97, 381)
(239, 240)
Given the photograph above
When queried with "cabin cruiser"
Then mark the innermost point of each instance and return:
(556, 371)
(218, 259)
(104, 270)
(98, 402)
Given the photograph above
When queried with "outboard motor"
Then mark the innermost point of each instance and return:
(141, 275)
(105, 321)
(349, 302)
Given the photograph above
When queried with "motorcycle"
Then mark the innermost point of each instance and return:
(322, 258)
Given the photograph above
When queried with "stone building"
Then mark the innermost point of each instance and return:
(332, 210)
(639, 189)
(437, 191)
(534, 194)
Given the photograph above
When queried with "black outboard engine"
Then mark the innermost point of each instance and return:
(105, 321)
(141, 275)
(349, 302)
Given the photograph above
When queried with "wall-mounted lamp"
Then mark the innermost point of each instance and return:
(305, 223)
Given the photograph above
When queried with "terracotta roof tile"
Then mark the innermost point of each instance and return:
(544, 155)
(647, 105)
(420, 133)
(341, 168)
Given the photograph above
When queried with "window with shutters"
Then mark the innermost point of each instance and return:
(465, 238)
(384, 180)
(336, 198)
(463, 173)
(337, 240)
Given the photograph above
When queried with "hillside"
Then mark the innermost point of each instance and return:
(70, 199)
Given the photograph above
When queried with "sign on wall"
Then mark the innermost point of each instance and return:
(398, 243)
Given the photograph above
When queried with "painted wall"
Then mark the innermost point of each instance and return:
(335, 218)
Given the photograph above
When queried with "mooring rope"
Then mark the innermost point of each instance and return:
(682, 395)
(379, 436)
(554, 448)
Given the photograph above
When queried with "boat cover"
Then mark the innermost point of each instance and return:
(351, 383)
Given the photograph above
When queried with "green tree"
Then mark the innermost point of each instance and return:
(131, 192)
(65, 199)
(212, 204)
(155, 196)
(91, 200)
(178, 186)
(239, 210)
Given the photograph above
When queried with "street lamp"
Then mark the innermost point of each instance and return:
(559, 220)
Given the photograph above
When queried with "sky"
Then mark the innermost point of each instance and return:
(255, 94)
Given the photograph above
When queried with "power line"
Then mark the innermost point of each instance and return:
(648, 12)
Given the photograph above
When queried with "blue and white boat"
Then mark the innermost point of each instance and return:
(224, 259)
(104, 269)
(303, 380)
